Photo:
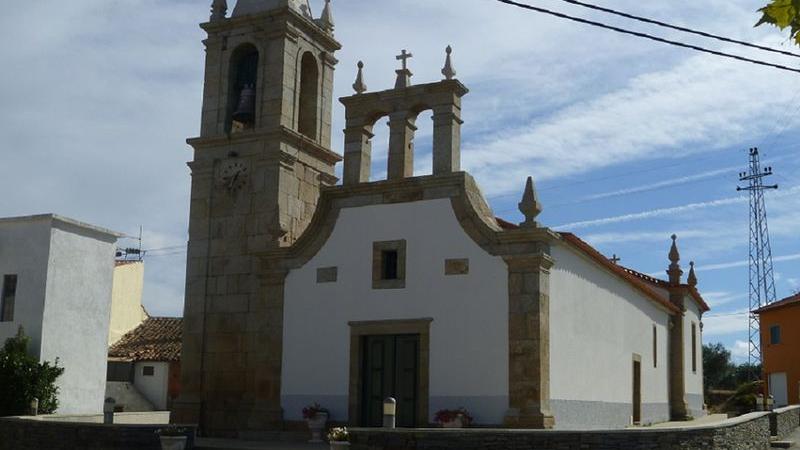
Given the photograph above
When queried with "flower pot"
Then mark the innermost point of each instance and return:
(458, 422)
(340, 445)
(317, 425)
(173, 442)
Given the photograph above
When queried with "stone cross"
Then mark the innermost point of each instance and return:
(404, 75)
(405, 56)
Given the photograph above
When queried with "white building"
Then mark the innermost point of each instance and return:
(302, 290)
(57, 279)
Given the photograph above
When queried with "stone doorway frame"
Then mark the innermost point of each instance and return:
(358, 330)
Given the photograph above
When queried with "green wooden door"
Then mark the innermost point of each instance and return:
(390, 369)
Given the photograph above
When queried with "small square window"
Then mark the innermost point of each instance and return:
(8, 298)
(775, 334)
(148, 371)
(389, 265)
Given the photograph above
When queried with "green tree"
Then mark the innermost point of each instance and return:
(783, 14)
(23, 378)
(718, 371)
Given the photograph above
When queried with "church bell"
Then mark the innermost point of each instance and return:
(246, 111)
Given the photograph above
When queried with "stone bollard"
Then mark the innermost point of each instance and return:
(108, 411)
(760, 402)
(34, 407)
(389, 413)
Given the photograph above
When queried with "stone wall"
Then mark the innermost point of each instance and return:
(784, 421)
(22, 434)
(750, 432)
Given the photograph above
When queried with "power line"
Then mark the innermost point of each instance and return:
(679, 28)
(649, 36)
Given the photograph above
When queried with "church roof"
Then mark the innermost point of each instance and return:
(156, 339)
(788, 301)
(695, 294)
(641, 282)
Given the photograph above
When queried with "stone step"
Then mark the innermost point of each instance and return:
(782, 444)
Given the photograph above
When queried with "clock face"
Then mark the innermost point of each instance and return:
(234, 175)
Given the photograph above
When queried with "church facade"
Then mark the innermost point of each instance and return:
(301, 290)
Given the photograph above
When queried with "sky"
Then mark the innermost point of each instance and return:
(628, 140)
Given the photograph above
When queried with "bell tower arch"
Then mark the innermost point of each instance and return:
(263, 154)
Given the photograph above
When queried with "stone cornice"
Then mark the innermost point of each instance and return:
(421, 90)
(284, 16)
(303, 143)
(470, 209)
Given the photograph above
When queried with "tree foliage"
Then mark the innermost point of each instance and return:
(783, 14)
(719, 372)
(23, 378)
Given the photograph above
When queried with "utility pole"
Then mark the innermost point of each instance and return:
(762, 279)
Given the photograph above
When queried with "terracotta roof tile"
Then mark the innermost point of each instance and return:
(788, 301)
(156, 339)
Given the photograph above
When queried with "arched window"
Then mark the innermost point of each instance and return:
(244, 81)
(309, 91)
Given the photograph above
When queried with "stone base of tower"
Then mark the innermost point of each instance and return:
(240, 421)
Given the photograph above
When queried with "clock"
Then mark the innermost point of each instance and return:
(233, 175)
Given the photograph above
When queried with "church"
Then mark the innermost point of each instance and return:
(303, 288)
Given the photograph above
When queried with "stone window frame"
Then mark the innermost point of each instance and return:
(400, 246)
(360, 330)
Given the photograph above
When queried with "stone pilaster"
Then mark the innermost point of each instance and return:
(357, 154)
(401, 146)
(529, 341)
(447, 139)
(678, 407)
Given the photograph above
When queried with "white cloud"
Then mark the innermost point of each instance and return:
(740, 349)
(716, 298)
(726, 323)
(661, 212)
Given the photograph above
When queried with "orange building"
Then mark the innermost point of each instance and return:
(780, 346)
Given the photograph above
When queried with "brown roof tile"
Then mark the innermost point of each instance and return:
(156, 339)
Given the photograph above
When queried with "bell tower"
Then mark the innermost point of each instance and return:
(261, 158)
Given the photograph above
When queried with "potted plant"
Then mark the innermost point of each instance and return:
(173, 438)
(317, 417)
(453, 418)
(339, 438)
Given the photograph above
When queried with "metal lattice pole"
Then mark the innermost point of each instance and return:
(762, 279)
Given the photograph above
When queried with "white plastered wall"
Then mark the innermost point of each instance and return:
(24, 246)
(155, 387)
(598, 321)
(127, 312)
(76, 314)
(469, 332)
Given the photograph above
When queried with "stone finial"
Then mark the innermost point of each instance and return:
(404, 75)
(326, 20)
(530, 206)
(449, 71)
(359, 85)
(219, 9)
(692, 280)
(674, 271)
